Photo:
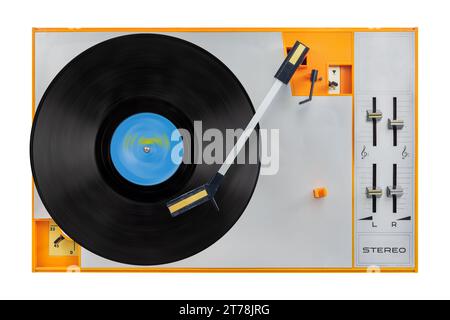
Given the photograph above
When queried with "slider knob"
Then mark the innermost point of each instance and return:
(395, 124)
(377, 115)
(394, 191)
(374, 192)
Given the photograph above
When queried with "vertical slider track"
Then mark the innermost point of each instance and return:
(394, 186)
(374, 186)
(394, 129)
(374, 121)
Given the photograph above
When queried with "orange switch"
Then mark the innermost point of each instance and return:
(321, 192)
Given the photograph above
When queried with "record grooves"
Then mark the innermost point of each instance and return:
(71, 136)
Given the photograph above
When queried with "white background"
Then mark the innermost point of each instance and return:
(16, 20)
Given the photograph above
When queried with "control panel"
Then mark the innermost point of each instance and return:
(385, 149)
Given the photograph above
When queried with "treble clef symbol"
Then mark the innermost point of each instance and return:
(364, 153)
(404, 153)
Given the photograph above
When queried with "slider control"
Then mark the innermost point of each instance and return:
(374, 192)
(394, 191)
(394, 123)
(374, 115)
(370, 192)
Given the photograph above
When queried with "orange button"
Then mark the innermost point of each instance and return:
(320, 192)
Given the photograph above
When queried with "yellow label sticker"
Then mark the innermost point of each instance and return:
(189, 200)
(294, 58)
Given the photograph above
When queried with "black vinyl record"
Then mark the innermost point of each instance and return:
(80, 187)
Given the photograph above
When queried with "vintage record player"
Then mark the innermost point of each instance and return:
(132, 129)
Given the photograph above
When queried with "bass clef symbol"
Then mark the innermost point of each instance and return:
(364, 153)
